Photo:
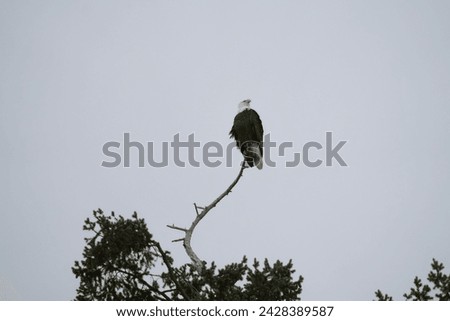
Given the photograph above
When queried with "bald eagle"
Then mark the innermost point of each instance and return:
(248, 132)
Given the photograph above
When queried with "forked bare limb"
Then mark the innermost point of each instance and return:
(200, 214)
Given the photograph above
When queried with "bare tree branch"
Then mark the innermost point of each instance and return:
(177, 228)
(197, 263)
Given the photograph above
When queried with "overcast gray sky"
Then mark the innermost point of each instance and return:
(77, 74)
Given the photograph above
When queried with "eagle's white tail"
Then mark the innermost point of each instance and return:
(258, 159)
(259, 163)
(254, 153)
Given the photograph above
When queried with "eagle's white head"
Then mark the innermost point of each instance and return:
(243, 105)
